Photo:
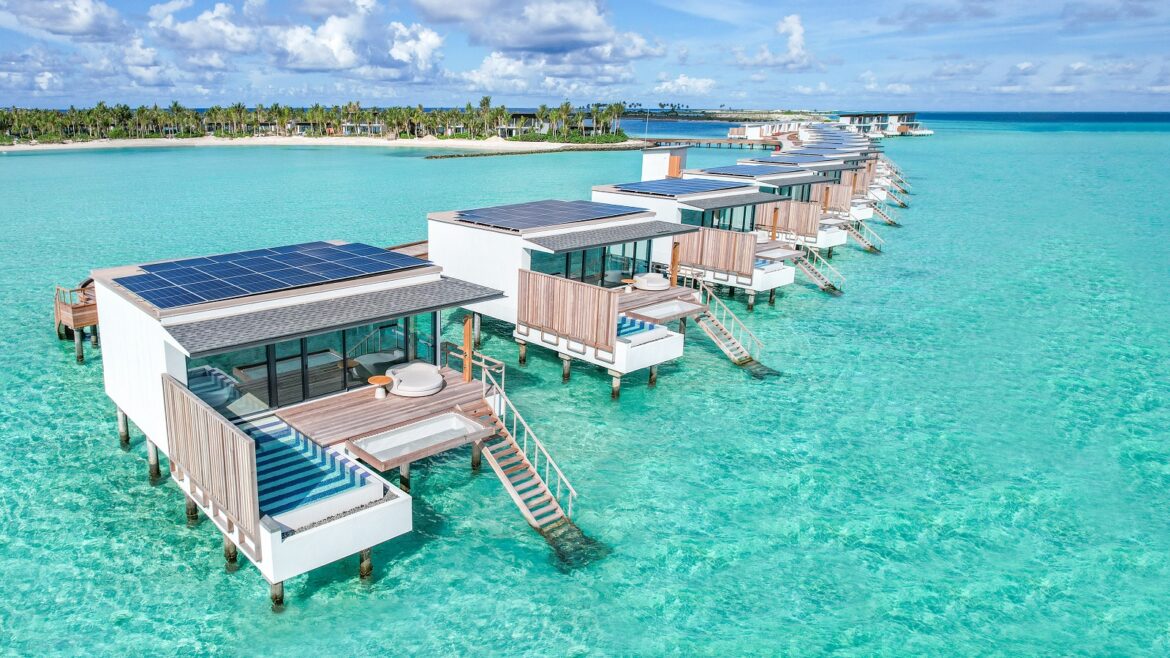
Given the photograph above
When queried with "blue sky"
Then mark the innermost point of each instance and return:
(892, 54)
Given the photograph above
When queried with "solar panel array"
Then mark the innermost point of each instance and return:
(538, 214)
(197, 280)
(750, 170)
(784, 159)
(677, 186)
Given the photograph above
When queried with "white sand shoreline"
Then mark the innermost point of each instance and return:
(496, 145)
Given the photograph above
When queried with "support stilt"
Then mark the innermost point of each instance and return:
(276, 594)
(152, 461)
(231, 557)
(476, 322)
(523, 352)
(615, 387)
(192, 511)
(682, 326)
(476, 455)
(365, 563)
(79, 344)
(564, 369)
(404, 477)
(751, 304)
(772, 297)
(94, 341)
(829, 254)
(653, 375)
(123, 430)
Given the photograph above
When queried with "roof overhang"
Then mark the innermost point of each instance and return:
(559, 243)
(731, 201)
(272, 325)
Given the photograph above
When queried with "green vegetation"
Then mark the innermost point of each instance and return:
(562, 123)
(573, 137)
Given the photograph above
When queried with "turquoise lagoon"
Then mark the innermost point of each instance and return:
(966, 453)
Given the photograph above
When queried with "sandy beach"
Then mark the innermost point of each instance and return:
(493, 144)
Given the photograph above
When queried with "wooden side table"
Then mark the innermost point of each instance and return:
(629, 284)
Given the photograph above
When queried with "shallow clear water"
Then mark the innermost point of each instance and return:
(966, 453)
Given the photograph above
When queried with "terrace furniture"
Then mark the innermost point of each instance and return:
(651, 281)
(379, 383)
(416, 380)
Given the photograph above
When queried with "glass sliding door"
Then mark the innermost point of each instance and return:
(234, 383)
(325, 364)
(290, 373)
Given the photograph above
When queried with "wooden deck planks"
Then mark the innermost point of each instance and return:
(358, 413)
(628, 301)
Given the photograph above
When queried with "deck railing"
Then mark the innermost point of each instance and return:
(217, 458)
(76, 307)
(826, 269)
(576, 311)
(721, 312)
(869, 234)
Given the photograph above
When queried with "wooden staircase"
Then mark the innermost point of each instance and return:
(810, 269)
(865, 241)
(535, 483)
(886, 216)
(723, 339)
(897, 199)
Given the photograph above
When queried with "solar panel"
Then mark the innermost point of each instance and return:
(677, 186)
(750, 170)
(226, 276)
(537, 214)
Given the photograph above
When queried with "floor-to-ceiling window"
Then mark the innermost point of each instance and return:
(599, 266)
(246, 381)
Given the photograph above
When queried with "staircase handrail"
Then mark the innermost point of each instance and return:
(541, 458)
(819, 262)
(869, 233)
(724, 315)
(486, 363)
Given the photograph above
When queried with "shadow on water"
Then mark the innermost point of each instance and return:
(572, 548)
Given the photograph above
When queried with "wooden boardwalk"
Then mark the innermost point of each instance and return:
(358, 414)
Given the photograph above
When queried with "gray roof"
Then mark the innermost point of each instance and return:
(807, 179)
(731, 201)
(306, 319)
(603, 237)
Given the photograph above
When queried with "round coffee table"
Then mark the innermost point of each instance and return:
(379, 382)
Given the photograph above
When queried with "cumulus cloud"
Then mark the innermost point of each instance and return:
(685, 85)
(332, 45)
(498, 73)
(416, 46)
(822, 88)
(795, 56)
(214, 29)
(958, 69)
(81, 19)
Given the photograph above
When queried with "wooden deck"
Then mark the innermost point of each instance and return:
(418, 249)
(75, 308)
(358, 414)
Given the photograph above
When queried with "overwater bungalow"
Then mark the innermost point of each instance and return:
(883, 124)
(282, 384)
(579, 278)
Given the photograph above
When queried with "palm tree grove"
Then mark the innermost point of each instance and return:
(597, 123)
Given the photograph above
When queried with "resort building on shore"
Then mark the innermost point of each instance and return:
(282, 383)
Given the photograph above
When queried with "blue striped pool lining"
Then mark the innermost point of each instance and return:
(293, 471)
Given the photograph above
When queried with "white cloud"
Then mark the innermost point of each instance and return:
(795, 56)
(417, 46)
(213, 29)
(899, 88)
(498, 73)
(1062, 89)
(82, 19)
(822, 88)
(686, 85)
(332, 45)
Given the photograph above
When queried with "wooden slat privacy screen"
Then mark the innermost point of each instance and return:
(797, 217)
(573, 310)
(838, 197)
(217, 457)
(719, 250)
